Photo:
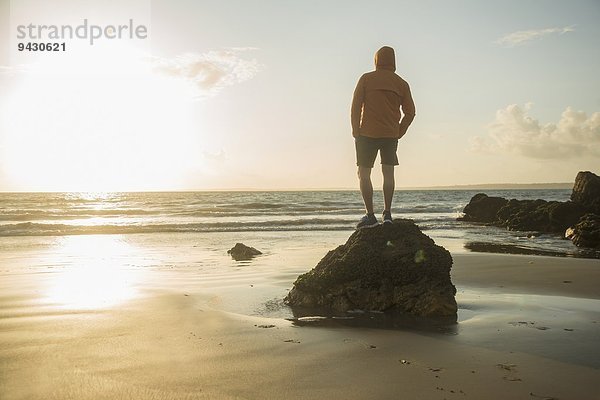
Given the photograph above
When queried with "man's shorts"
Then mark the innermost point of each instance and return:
(367, 148)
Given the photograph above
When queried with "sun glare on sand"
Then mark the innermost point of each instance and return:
(98, 121)
(94, 272)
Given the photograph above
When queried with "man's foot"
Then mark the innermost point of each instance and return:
(368, 221)
(387, 217)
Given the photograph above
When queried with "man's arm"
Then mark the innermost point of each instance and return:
(408, 109)
(357, 105)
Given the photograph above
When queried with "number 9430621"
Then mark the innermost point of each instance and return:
(34, 46)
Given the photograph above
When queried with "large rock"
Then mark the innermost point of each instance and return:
(483, 208)
(389, 267)
(586, 233)
(586, 191)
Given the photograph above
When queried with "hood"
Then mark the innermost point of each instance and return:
(385, 58)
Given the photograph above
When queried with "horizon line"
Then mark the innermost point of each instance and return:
(503, 186)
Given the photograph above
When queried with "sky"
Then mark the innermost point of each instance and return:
(256, 94)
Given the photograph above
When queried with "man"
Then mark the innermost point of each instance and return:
(377, 124)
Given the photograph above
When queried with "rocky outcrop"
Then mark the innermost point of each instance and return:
(242, 252)
(483, 208)
(541, 215)
(389, 267)
(523, 215)
(586, 191)
(586, 233)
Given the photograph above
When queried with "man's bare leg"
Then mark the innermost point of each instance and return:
(389, 184)
(366, 187)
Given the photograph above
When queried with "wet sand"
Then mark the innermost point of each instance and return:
(529, 328)
(555, 276)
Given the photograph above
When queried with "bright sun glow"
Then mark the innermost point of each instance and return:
(96, 272)
(100, 121)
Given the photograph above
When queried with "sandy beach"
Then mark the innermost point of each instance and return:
(412, 189)
(528, 328)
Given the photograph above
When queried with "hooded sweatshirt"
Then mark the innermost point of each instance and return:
(378, 98)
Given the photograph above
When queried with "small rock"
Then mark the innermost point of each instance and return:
(542, 396)
(512, 379)
(242, 252)
(586, 233)
(508, 367)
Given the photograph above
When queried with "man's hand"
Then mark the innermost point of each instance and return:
(407, 119)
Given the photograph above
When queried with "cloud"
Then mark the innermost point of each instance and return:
(520, 38)
(514, 131)
(212, 71)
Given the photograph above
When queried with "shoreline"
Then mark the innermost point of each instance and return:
(522, 332)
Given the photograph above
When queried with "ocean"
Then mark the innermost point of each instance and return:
(150, 213)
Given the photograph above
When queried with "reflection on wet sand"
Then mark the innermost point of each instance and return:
(503, 248)
(93, 272)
